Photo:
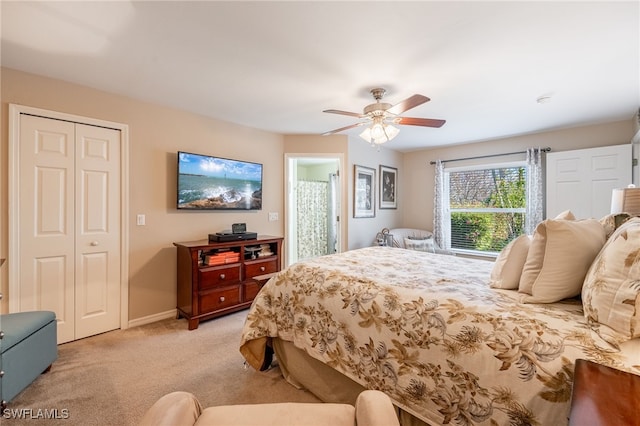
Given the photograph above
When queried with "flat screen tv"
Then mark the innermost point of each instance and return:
(213, 183)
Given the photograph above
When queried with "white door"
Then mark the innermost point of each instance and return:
(97, 220)
(582, 180)
(69, 239)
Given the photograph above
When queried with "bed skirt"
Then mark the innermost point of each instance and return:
(327, 384)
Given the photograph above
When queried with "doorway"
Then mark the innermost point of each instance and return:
(312, 206)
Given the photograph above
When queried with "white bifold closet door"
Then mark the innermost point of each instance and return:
(70, 222)
(582, 180)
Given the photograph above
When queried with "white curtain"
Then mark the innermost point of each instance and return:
(533, 215)
(440, 227)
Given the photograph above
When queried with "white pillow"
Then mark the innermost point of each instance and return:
(611, 291)
(509, 263)
(559, 257)
(425, 244)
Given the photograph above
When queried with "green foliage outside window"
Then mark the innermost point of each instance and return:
(482, 190)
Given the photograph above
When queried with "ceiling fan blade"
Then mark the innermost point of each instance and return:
(407, 104)
(337, 111)
(343, 128)
(426, 122)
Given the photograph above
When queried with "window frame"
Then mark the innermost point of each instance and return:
(447, 207)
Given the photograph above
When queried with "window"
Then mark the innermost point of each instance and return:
(486, 206)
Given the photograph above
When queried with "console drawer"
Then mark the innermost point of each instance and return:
(260, 268)
(219, 299)
(218, 275)
(251, 290)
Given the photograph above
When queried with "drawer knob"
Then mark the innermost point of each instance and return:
(222, 298)
(222, 276)
(262, 269)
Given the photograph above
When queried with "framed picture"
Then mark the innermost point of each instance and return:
(364, 190)
(388, 187)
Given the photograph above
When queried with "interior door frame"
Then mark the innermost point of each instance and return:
(15, 111)
(290, 176)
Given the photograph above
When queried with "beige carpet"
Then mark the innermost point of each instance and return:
(112, 378)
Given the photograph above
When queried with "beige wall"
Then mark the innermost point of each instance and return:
(417, 196)
(362, 231)
(356, 232)
(156, 133)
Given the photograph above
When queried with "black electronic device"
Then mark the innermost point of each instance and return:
(239, 228)
(223, 237)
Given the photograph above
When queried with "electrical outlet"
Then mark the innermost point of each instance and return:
(273, 216)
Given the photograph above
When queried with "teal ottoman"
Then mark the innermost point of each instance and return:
(28, 347)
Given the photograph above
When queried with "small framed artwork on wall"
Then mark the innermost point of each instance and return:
(388, 187)
(364, 190)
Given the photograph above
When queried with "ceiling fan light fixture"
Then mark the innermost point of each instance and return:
(383, 116)
(379, 133)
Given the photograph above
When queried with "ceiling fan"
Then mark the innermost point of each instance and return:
(382, 115)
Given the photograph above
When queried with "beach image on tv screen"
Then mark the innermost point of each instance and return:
(206, 182)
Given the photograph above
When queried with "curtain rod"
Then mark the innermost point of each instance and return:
(547, 149)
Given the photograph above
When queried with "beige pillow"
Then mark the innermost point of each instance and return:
(509, 263)
(565, 215)
(559, 257)
(611, 291)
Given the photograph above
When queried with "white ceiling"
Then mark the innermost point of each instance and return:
(277, 65)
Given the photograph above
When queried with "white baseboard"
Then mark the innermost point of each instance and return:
(152, 318)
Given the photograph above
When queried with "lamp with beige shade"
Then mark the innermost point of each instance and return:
(626, 200)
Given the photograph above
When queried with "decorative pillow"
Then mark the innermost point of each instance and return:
(611, 291)
(565, 215)
(611, 222)
(509, 263)
(559, 257)
(425, 244)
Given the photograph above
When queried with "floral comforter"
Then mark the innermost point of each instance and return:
(429, 331)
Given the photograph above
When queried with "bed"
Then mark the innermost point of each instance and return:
(428, 330)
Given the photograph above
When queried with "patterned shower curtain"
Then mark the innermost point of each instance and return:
(312, 218)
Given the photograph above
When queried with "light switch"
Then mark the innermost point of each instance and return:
(273, 216)
(141, 220)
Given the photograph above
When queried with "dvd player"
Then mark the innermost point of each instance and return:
(223, 237)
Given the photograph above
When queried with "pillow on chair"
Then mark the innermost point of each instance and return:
(423, 244)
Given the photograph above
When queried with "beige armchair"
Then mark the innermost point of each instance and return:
(372, 408)
(400, 234)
